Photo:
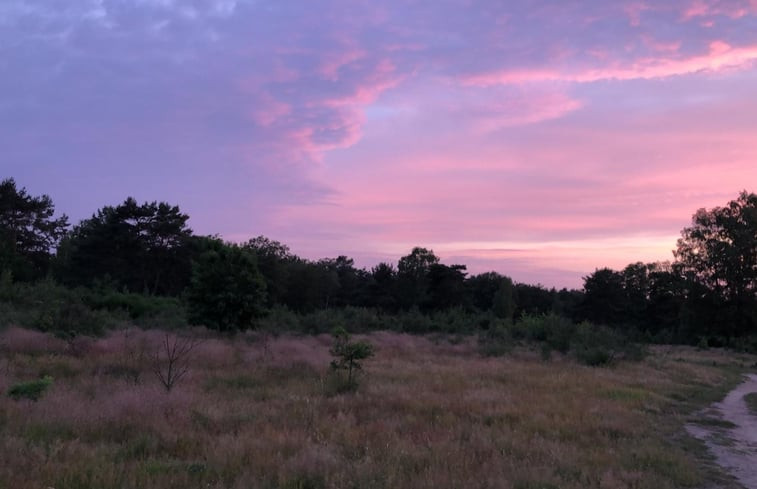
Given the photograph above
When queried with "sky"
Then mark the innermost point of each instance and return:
(539, 139)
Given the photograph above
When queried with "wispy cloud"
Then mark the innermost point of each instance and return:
(720, 56)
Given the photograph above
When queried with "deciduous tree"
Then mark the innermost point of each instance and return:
(719, 250)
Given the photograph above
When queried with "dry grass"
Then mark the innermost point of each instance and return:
(429, 414)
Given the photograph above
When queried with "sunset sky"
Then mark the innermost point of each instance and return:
(538, 139)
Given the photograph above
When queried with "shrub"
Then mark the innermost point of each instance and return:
(172, 359)
(322, 321)
(30, 390)
(496, 341)
(596, 345)
(304, 482)
(149, 311)
(227, 291)
(530, 327)
(454, 320)
(751, 402)
(414, 321)
(280, 318)
(348, 355)
(559, 332)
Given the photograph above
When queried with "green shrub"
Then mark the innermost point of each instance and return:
(596, 345)
(143, 310)
(414, 321)
(322, 321)
(362, 319)
(348, 355)
(595, 356)
(747, 344)
(30, 390)
(751, 402)
(304, 482)
(496, 341)
(454, 320)
(559, 332)
(280, 318)
(227, 291)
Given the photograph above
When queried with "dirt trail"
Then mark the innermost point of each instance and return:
(734, 446)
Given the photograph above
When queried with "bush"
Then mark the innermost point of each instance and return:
(149, 311)
(596, 345)
(413, 321)
(348, 356)
(454, 320)
(362, 319)
(322, 321)
(280, 318)
(53, 308)
(32, 390)
(496, 341)
(227, 291)
(559, 332)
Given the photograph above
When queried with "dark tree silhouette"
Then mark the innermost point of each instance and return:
(144, 248)
(227, 291)
(605, 297)
(28, 232)
(719, 250)
(412, 277)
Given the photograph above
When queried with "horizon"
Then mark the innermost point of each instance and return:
(539, 140)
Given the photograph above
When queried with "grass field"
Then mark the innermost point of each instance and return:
(429, 413)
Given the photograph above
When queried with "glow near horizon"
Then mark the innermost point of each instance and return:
(538, 139)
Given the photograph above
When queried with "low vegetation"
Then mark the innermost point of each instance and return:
(348, 357)
(31, 390)
(751, 402)
(256, 411)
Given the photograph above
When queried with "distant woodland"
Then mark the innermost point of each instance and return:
(140, 263)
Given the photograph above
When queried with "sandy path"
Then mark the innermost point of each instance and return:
(734, 448)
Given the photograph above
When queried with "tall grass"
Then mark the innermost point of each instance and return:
(254, 411)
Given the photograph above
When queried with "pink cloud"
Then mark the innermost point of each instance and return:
(526, 110)
(732, 9)
(634, 11)
(661, 46)
(721, 57)
(268, 110)
(333, 62)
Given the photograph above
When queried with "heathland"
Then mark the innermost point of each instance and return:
(431, 411)
(136, 354)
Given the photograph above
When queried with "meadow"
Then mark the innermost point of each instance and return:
(261, 411)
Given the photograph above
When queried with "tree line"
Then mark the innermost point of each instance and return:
(708, 291)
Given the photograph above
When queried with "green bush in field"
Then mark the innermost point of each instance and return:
(496, 341)
(30, 390)
(596, 345)
(227, 291)
(751, 402)
(556, 332)
(143, 310)
(348, 355)
(414, 321)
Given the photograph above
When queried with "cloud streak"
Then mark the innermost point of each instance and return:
(720, 57)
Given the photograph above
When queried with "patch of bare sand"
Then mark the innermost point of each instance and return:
(731, 433)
